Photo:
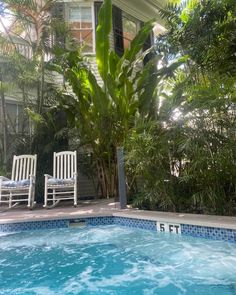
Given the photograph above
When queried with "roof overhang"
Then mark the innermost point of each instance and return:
(144, 10)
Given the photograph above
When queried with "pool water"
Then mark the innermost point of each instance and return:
(114, 260)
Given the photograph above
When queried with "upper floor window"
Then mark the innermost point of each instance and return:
(130, 29)
(125, 28)
(81, 22)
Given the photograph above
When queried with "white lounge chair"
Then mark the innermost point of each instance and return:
(21, 186)
(63, 184)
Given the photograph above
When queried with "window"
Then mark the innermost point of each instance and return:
(130, 29)
(81, 21)
(125, 28)
(17, 121)
(11, 113)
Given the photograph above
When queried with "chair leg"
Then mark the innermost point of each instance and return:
(75, 196)
(10, 199)
(32, 202)
(54, 196)
(29, 197)
(45, 196)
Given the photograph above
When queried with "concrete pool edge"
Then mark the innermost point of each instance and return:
(182, 218)
(109, 208)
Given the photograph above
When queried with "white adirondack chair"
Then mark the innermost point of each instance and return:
(21, 186)
(63, 184)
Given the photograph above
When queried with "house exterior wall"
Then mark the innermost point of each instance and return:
(61, 11)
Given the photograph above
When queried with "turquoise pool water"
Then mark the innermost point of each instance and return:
(114, 260)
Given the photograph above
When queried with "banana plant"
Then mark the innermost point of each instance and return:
(103, 114)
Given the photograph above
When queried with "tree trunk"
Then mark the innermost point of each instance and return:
(4, 123)
(42, 85)
(107, 177)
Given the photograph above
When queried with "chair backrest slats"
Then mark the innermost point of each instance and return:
(20, 169)
(32, 168)
(17, 170)
(54, 164)
(13, 169)
(23, 166)
(72, 163)
(64, 164)
(61, 167)
(64, 167)
(56, 161)
(27, 166)
(68, 172)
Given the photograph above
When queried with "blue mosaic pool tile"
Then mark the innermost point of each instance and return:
(214, 233)
(34, 225)
(228, 235)
(95, 221)
(136, 223)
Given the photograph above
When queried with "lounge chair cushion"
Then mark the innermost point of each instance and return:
(57, 181)
(14, 184)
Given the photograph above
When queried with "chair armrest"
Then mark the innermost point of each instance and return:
(75, 174)
(47, 176)
(3, 178)
(32, 178)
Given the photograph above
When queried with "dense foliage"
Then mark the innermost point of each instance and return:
(187, 158)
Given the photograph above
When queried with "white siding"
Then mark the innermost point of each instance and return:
(85, 186)
(94, 68)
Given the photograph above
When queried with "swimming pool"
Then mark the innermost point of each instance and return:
(114, 260)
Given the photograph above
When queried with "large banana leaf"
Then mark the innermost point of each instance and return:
(102, 38)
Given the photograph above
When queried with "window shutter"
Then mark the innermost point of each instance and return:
(58, 14)
(118, 30)
(148, 43)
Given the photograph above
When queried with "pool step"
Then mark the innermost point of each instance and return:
(77, 223)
